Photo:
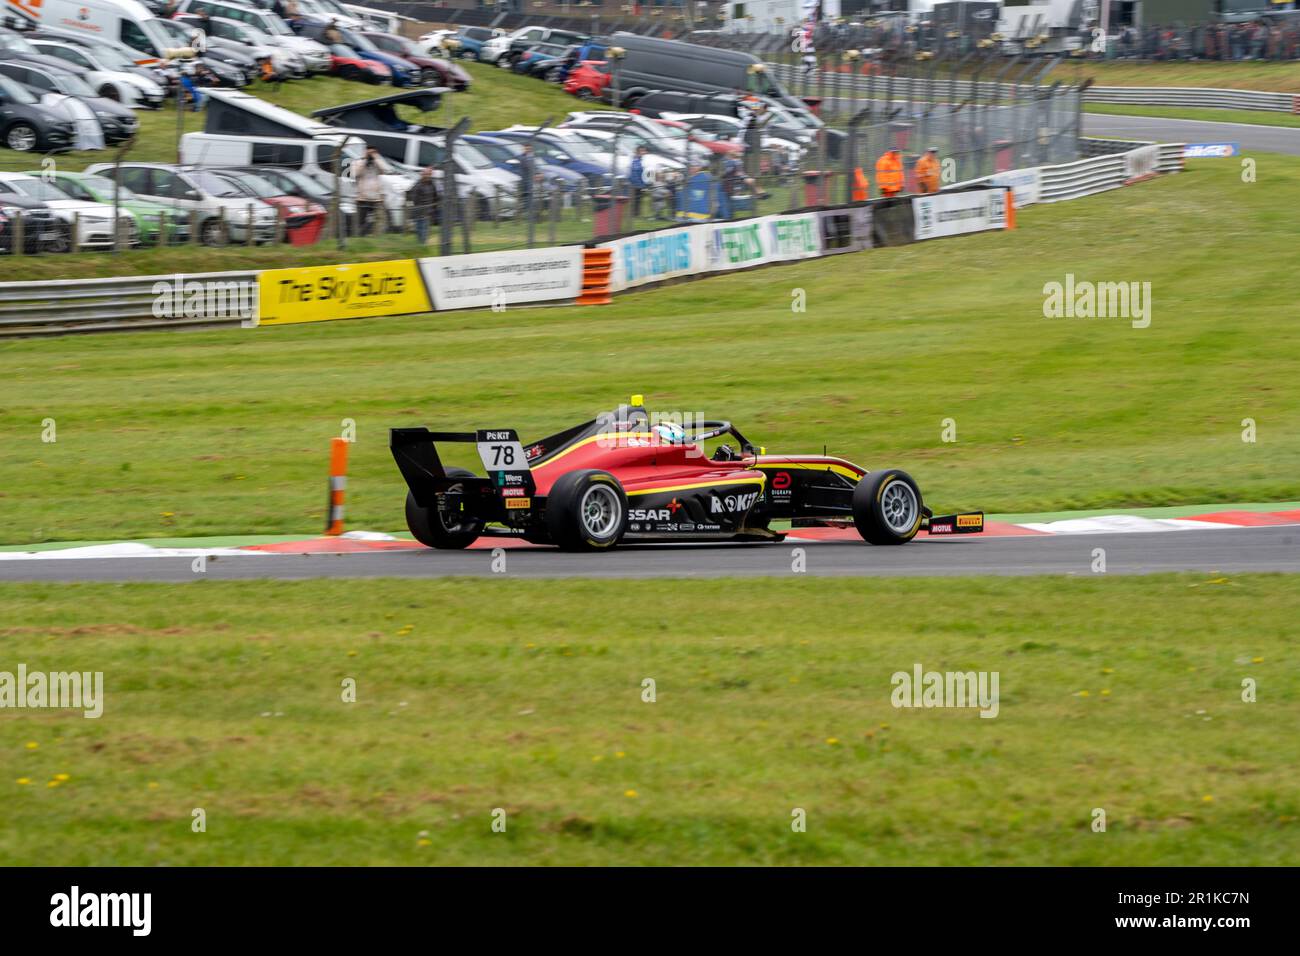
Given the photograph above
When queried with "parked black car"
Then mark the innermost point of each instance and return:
(26, 125)
(118, 122)
(41, 229)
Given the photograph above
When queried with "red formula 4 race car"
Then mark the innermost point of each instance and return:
(623, 477)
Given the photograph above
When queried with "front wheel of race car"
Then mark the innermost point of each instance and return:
(887, 507)
(586, 511)
(435, 530)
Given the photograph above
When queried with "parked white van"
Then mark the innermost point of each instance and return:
(121, 21)
(476, 175)
(315, 157)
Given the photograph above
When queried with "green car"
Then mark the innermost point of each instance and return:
(147, 213)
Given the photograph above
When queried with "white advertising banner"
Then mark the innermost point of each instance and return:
(655, 256)
(487, 279)
(952, 214)
(792, 237)
(754, 242)
(1026, 185)
(734, 245)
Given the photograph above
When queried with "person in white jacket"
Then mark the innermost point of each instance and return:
(367, 172)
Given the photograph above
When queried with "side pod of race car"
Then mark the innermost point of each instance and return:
(621, 477)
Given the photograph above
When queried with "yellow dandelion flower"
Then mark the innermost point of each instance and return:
(352, 653)
(1083, 693)
(620, 754)
(24, 781)
(153, 784)
(832, 740)
(31, 745)
(1108, 670)
(53, 783)
(1257, 660)
(1207, 799)
(629, 793)
(1105, 692)
(62, 777)
(424, 841)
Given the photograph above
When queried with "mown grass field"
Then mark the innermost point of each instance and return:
(1249, 117)
(1280, 77)
(225, 432)
(1119, 694)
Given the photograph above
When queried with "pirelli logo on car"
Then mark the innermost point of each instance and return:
(514, 504)
(970, 521)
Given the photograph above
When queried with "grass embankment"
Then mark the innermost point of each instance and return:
(496, 99)
(1248, 117)
(167, 434)
(1122, 695)
(1278, 77)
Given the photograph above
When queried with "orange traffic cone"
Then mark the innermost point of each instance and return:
(338, 483)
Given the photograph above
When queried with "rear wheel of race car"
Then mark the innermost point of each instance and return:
(435, 530)
(887, 507)
(586, 511)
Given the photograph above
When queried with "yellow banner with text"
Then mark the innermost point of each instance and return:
(355, 291)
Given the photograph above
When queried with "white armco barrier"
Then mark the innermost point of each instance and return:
(1085, 177)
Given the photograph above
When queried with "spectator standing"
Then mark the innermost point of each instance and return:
(527, 177)
(424, 203)
(368, 174)
(636, 178)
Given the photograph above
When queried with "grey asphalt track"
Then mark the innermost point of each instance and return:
(1229, 550)
(1271, 139)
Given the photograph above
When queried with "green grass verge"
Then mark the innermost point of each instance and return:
(474, 695)
(226, 432)
(1282, 77)
(1248, 117)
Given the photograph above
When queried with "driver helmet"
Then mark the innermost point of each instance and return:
(671, 434)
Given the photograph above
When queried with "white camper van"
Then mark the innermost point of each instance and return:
(120, 21)
(245, 130)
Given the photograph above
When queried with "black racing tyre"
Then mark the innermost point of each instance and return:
(586, 511)
(887, 507)
(433, 530)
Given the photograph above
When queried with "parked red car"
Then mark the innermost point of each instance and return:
(345, 63)
(587, 81)
(433, 71)
(722, 147)
(303, 219)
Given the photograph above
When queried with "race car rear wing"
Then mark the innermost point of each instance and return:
(416, 453)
